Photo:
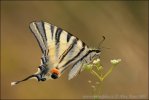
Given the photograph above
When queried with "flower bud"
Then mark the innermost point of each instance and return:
(88, 67)
(115, 61)
(96, 61)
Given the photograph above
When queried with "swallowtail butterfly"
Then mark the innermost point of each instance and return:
(60, 50)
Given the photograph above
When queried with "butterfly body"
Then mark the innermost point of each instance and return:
(60, 49)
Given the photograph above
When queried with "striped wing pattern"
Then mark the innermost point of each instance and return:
(61, 49)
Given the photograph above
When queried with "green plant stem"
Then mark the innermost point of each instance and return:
(100, 88)
(100, 78)
(109, 71)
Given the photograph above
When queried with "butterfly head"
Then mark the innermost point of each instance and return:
(95, 54)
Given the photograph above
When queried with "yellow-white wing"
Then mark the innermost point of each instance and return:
(58, 43)
(60, 48)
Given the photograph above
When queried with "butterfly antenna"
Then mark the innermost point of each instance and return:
(101, 42)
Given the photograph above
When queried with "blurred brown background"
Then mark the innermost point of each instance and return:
(123, 23)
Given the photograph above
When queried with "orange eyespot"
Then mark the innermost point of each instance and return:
(56, 71)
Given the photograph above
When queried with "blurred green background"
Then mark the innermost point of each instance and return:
(123, 23)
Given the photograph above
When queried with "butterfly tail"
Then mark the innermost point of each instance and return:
(27, 78)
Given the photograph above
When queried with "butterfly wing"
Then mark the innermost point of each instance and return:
(39, 33)
(45, 34)
(62, 48)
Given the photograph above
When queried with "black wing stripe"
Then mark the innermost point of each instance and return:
(68, 50)
(78, 54)
(41, 30)
(90, 51)
(78, 60)
(37, 36)
(57, 35)
(64, 53)
(43, 60)
(45, 36)
(87, 53)
(57, 40)
(68, 36)
(52, 30)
